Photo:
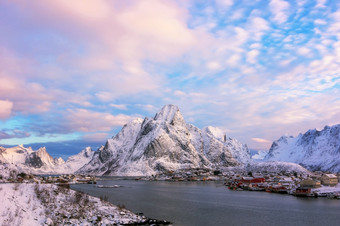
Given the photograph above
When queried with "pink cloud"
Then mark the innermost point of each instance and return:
(115, 38)
(8, 134)
(280, 10)
(96, 137)
(5, 109)
(119, 106)
(126, 28)
(89, 121)
(261, 140)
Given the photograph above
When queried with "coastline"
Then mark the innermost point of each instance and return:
(49, 204)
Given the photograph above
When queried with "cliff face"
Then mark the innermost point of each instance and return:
(316, 150)
(162, 143)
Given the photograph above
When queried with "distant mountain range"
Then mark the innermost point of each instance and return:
(315, 150)
(40, 162)
(165, 143)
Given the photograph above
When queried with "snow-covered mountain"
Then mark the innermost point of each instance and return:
(75, 162)
(315, 150)
(165, 143)
(40, 161)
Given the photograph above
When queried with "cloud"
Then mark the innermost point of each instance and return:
(148, 107)
(213, 65)
(8, 134)
(320, 22)
(119, 106)
(225, 3)
(179, 93)
(89, 121)
(105, 96)
(261, 140)
(5, 109)
(304, 51)
(252, 56)
(66, 67)
(96, 137)
(280, 10)
(108, 46)
(257, 26)
(320, 4)
(237, 14)
(234, 60)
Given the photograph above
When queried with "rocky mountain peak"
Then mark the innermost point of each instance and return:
(87, 152)
(162, 144)
(59, 161)
(42, 150)
(171, 114)
(216, 132)
(316, 150)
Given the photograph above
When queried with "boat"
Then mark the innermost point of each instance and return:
(108, 186)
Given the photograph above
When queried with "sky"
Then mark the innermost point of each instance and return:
(76, 71)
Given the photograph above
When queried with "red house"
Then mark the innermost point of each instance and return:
(252, 180)
(301, 191)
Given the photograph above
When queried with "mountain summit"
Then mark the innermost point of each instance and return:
(315, 150)
(41, 162)
(164, 143)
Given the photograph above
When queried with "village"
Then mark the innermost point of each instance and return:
(318, 184)
(15, 177)
(315, 184)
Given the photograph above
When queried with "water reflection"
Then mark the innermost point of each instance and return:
(211, 203)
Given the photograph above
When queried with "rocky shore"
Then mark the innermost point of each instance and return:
(49, 204)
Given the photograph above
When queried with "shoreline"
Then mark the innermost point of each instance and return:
(49, 204)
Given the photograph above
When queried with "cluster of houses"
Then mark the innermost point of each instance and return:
(299, 185)
(194, 174)
(49, 179)
(69, 179)
(291, 183)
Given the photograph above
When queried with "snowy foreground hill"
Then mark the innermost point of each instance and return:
(165, 143)
(40, 162)
(47, 204)
(315, 150)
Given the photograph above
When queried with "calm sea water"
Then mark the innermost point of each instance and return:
(211, 203)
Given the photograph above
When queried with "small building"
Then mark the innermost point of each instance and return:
(62, 181)
(248, 180)
(309, 183)
(338, 175)
(329, 179)
(303, 191)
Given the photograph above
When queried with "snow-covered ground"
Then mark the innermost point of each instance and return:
(328, 189)
(276, 167)
(47, 204)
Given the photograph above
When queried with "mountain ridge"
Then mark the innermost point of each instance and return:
(315, 150)
(41, 162)
(163, 143)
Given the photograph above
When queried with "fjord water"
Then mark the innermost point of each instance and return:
(211, 203)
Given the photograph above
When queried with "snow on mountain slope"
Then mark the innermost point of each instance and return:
(75, 162)
(276, 167)
(316, 150)
(164, 143)
(260, 155)
(16, 155)
(48, 204)
(41, 162)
